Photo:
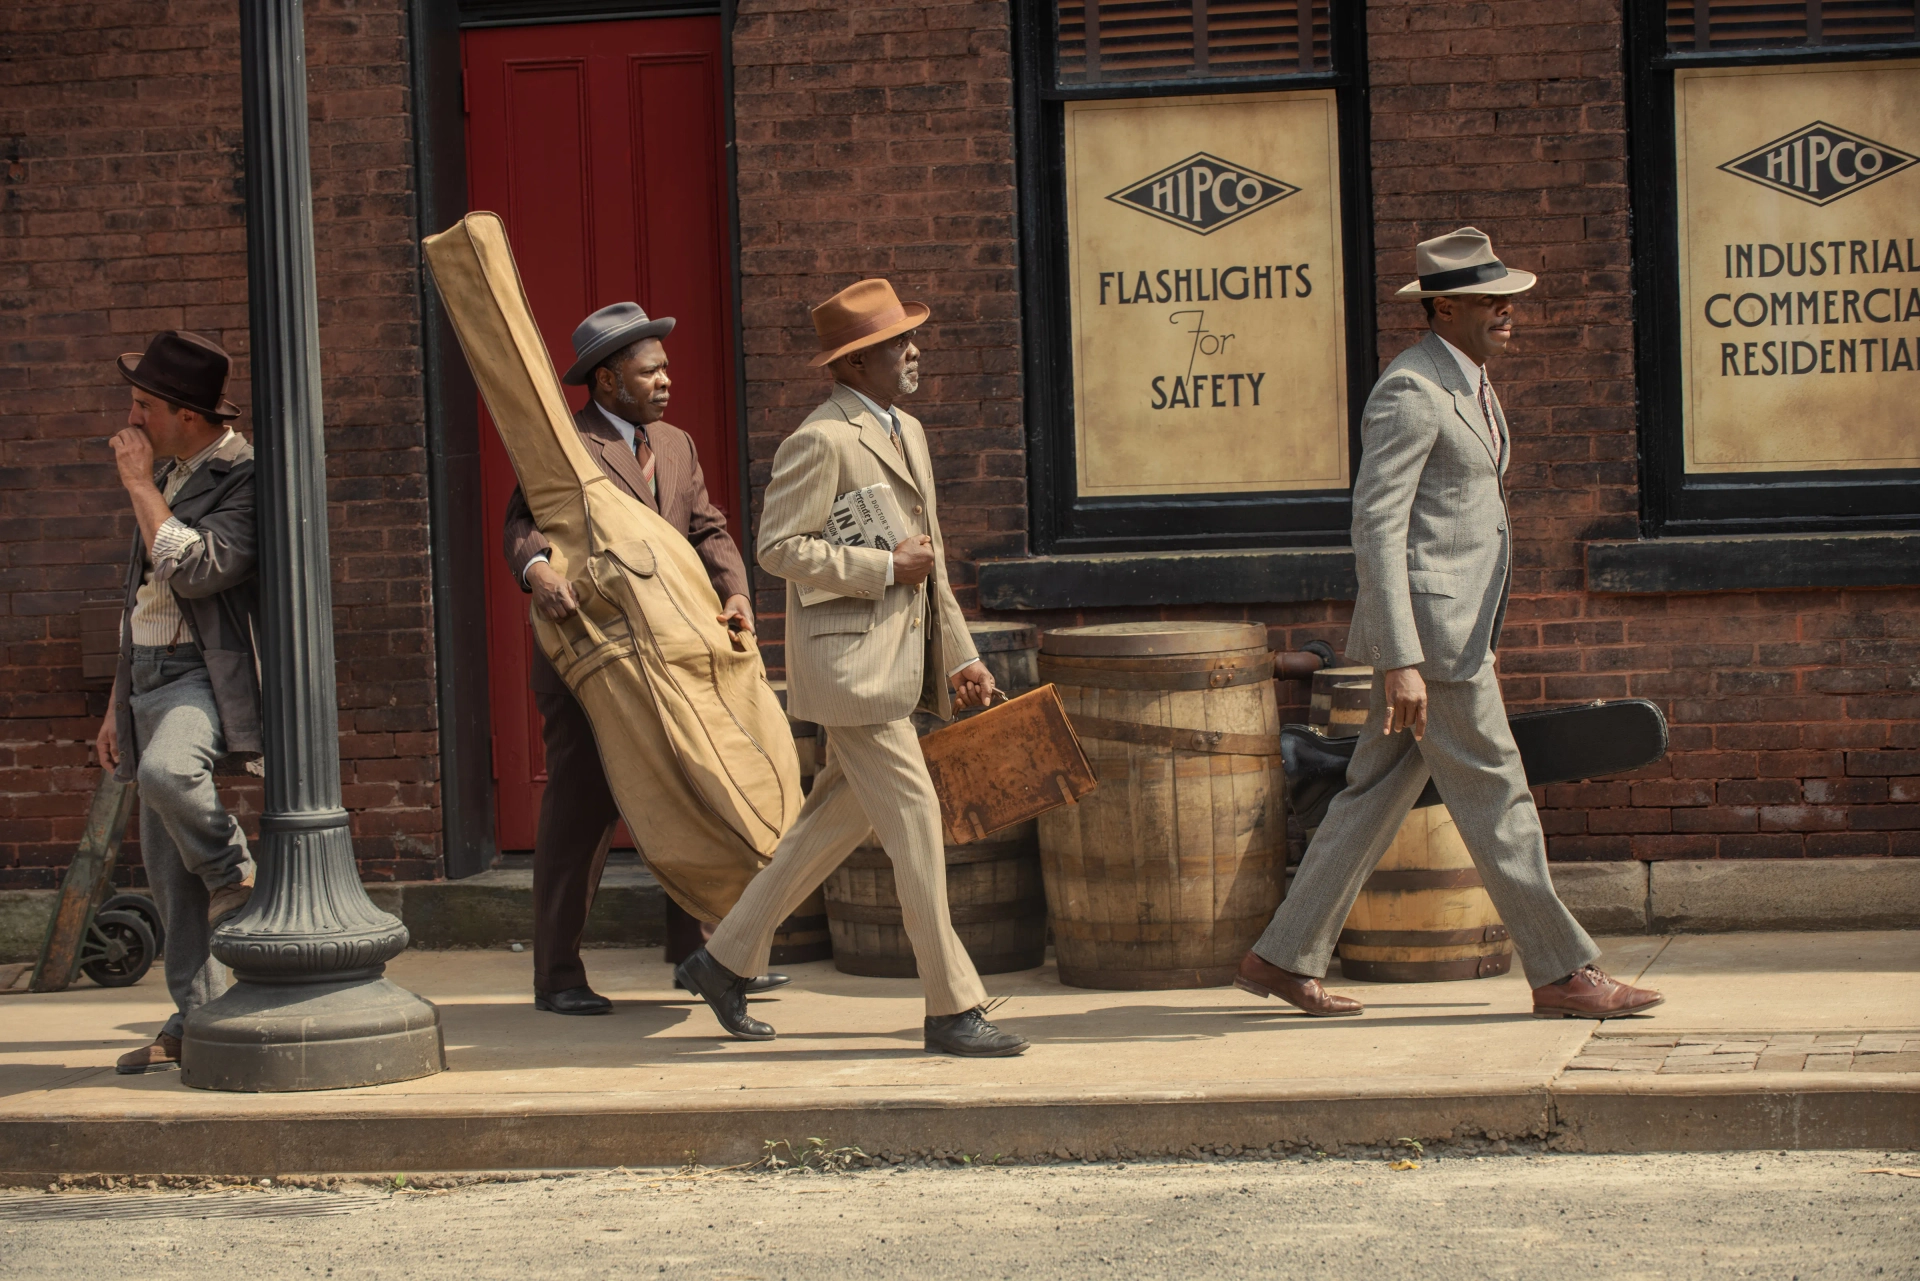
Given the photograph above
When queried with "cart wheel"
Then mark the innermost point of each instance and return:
(147, 910)
(119, 949)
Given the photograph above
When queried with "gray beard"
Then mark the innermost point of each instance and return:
(628, 402)
(909, 382)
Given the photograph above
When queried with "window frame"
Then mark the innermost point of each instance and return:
(1060, 520)
(1675, 502)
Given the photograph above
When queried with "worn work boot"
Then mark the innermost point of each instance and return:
(725, 994)
(227, 901)
(1587, 993)
(969, 1035)
(1263, 978)
(162, 1056)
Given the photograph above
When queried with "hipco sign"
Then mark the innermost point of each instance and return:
(1203, 193)
(1819, 163)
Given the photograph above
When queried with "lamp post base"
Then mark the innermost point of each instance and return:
(275, 1037)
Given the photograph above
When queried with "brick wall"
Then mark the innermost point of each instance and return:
(120, 215)
(1795, 715)
(876, 139)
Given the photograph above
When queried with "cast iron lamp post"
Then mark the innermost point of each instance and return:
(309, 1009)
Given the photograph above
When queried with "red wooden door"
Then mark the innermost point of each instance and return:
(602, 146)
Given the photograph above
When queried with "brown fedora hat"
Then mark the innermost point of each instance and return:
(186, 369)
(860, 316)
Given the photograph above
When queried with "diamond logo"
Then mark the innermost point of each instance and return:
(1203, 193)
(1819, 163)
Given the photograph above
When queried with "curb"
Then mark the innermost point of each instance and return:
(1854, 1110)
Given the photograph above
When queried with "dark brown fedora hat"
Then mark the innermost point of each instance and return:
(186, 369)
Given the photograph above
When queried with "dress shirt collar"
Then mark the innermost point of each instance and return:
(626, 429)
(886, 417)
(1473, 371)
(185, 467)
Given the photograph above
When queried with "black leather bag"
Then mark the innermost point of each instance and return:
(1558, 745)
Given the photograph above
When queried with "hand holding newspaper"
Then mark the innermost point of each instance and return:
(866, 517)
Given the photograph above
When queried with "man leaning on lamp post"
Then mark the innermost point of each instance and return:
(871, 635)
(186, 695)
(1433, 551)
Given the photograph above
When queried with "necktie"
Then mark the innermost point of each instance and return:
(893, 434)
(644, 455)
(1486, 412)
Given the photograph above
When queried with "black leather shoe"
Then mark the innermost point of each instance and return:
(969, 1035)
(765, 983)
(725, 994)
(574, 1000)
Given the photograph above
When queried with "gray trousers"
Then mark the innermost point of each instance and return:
(1470, 754)
(190, 844)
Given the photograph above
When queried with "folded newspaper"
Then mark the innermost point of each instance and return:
(866, 518)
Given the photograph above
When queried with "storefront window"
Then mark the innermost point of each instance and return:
(1776, 188)
(1194, 198)
(1132, 40)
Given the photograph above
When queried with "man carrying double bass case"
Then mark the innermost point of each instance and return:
(1433, 553)
(621, 360)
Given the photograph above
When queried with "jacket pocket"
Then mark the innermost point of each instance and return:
(838, 616)
(1432, 582)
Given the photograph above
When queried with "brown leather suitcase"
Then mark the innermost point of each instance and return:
(1006, 765)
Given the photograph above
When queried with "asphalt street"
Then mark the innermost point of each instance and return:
(1785, 1215)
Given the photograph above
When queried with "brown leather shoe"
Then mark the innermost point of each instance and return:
(1589, 994)
(162, 1056)
(1265, 979)
(228, 900)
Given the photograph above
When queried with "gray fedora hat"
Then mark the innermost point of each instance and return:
(1463, 262)
(608, 330)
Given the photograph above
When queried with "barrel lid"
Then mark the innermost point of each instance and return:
(1329, 677)
(1129, 640)
(993, 637)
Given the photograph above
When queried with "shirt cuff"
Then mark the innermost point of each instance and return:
(171, 541)
(889, 570)
(531, 560)
(963, 667)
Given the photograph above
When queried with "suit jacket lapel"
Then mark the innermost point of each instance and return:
(611, 452)
(1466, 401)
(874, 435)
(914, 437)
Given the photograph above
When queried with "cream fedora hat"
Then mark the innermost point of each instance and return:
(1462, 262)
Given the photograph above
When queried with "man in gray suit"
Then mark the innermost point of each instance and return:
(1433, 552)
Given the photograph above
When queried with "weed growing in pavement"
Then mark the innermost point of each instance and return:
(817, 1155)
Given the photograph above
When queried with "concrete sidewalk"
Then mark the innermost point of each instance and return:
(1766, 1040)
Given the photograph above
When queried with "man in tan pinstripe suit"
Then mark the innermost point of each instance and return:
(871, 636)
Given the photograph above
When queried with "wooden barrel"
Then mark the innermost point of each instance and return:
(1339, 700)
(993, 892)
(1165, 875)
(1009, 651)
(1424, 915)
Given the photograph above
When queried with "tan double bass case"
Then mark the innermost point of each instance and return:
(697, 748)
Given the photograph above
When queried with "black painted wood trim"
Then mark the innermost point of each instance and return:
(1673, 500)
(1754, 562)
(455, 510)
(1063, 522)
(1275, 577)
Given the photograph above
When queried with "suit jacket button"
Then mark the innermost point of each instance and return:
(915, 625)
(916, 511)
